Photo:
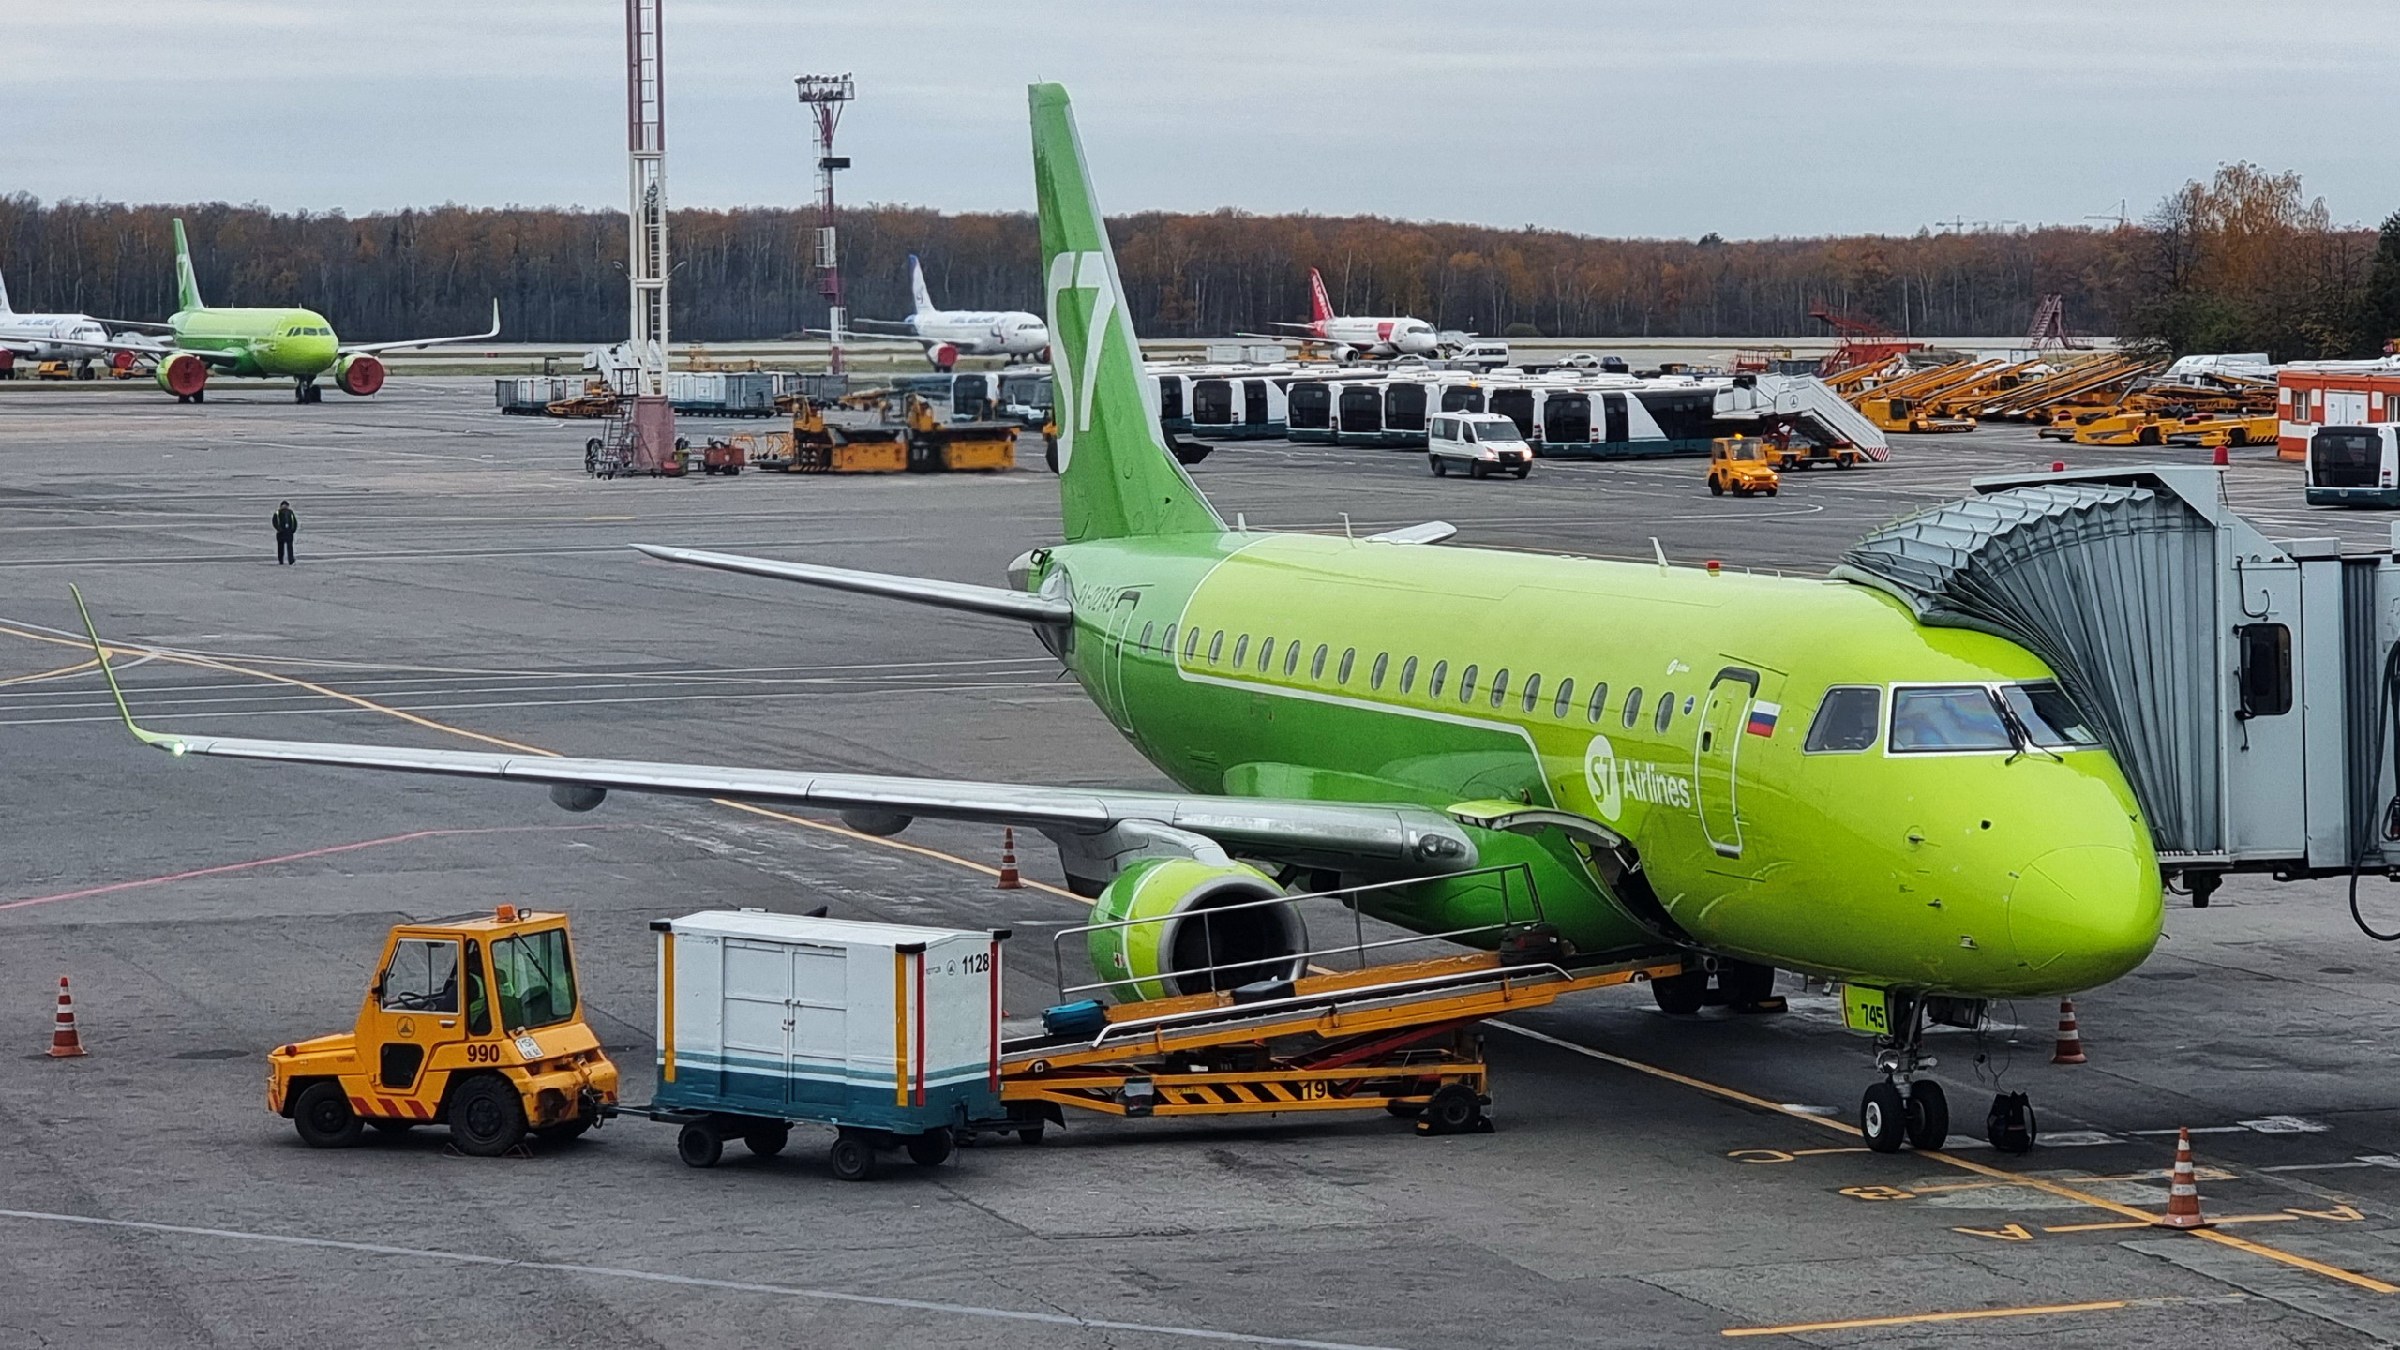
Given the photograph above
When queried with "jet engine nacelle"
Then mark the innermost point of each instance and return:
(183, 375)
(360, 375)
(943, 356)
(1198, 926)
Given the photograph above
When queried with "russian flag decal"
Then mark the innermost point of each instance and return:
(1762, 718)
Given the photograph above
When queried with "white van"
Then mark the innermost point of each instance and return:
(1483, 442)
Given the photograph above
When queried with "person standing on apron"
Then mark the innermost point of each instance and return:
(286, 525)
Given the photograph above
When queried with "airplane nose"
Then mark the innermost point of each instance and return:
(2084, 915)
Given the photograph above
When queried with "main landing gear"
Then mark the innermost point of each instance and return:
(306, 391)
(1718, 982)
(1907, 1109)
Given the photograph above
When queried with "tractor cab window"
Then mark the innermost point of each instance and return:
(479, 1001)
(422, 976)
(1847, 720)
(536, 979)
(1947, 718)
(2048, 716)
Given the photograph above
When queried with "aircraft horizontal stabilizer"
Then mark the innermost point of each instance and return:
(960, 595)
(1382, 838)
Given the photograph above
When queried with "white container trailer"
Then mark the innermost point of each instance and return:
(888, 1031)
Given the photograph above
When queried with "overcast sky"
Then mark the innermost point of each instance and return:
(1747, 118)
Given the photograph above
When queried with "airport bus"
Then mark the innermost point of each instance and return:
(2354, 466)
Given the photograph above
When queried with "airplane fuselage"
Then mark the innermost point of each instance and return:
(52, 337)
(1383, 336)
(266, 343)
(1315, 667)
(982, 333)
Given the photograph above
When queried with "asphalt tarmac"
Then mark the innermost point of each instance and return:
(1653, 1181)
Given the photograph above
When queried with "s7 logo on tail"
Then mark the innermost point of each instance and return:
(1083, 272)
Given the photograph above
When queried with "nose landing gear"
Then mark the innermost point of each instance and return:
(306, 391)
(1907, 1109)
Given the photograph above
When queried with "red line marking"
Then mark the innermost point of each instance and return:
(293, 857)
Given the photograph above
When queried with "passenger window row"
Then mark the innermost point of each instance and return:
(1562, 700)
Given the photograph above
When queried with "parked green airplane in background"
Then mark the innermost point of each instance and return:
(294, 344)
(1746, 771)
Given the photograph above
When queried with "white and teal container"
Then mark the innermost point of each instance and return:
(875, 1026)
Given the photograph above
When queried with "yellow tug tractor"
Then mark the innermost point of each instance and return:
(471, 1023)
(1742, 466)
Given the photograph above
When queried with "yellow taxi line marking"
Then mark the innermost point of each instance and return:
(50, 674)
(431, 725)
(1920, 1319)
(2092, 1227)
(2293, 1259)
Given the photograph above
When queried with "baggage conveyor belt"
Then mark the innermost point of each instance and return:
(1397, 1036)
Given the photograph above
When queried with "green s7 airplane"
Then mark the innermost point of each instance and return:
(294, 344)
(1750, 772)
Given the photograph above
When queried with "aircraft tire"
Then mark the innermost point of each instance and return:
(1681, 995)
(1928, 1115)
(1883, 1118)
(1745, 984)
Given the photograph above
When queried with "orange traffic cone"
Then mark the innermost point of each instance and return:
(1009, 881)
(2070, 1037)
(2183, 1193)
(65, 1042)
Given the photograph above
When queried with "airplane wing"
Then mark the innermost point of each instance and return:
(908, 325)
(141, 347)
(370, 348)
(135, 325)
(1364, 836)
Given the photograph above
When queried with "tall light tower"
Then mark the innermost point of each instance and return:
(646, 209)
(823, 96)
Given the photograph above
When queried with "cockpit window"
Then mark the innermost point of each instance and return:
(2048, 716)
(1947, 717)
(1847, 720)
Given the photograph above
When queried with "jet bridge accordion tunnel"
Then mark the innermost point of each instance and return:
(2247, 686)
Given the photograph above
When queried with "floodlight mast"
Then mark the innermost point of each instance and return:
(824, 97)
(646, 152)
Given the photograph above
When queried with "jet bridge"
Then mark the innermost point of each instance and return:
(2246, 685)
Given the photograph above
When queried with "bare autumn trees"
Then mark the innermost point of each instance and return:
(2246, 262)
(744, 273)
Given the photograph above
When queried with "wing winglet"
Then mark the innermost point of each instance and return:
(172, 745)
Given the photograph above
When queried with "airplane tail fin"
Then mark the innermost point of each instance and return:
(4, 306)
(1115, 475)
(919, 297)
(187, 285)
(1319, 307)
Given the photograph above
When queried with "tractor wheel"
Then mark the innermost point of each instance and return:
(929, 1149)
(1030, 1136)
(767, 1138)
(487, 1118)
(323, 1116)
(1772, 491)
(1715, 488)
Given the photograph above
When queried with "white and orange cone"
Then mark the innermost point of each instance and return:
(1009, 880)
(65, 1041)
(2070, 1036)
(2183, 1192)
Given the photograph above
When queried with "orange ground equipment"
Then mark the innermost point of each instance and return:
(2183, 1192)
(65, 1041)
(1741, 466)
(472, 1023)
(2070, 1037)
